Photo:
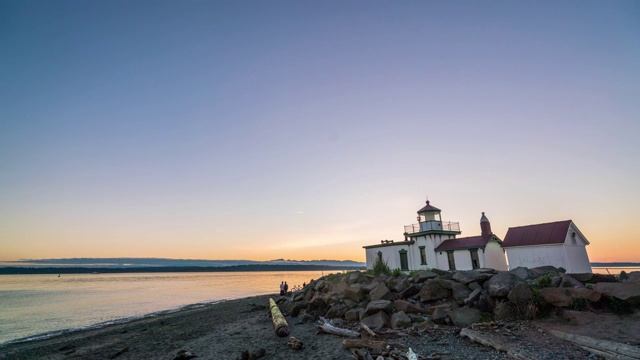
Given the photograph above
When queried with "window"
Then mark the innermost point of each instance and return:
(573, 238)
(452, 260)
(423, 256)
(475, 261)
(404, 263)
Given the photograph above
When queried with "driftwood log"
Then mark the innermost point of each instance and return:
(279, 322)
(368, 329)
(326, 326)
(607, 349)
(363, 343)
(495, 343)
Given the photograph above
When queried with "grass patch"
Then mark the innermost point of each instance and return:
(396, 272)
(580, 303)
(381, 267)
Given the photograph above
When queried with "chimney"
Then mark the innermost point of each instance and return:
(485, 226)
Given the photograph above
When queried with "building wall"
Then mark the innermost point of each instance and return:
(534, 256)
(578, 259)
(391, 254)
(493, 257)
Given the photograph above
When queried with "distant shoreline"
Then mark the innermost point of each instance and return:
(19, 270)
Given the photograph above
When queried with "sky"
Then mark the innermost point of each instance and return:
(307, 129)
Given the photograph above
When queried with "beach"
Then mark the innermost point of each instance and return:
(226, 329)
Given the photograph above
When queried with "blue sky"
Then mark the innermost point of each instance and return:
(260, 130)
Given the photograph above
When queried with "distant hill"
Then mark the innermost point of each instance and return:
(161, 262)
(615, 264)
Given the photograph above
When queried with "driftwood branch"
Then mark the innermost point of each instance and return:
(328, 328)
(295, 344)
(494, 343)
(607, 349)
(363, 343)
(368, 329)
(279, 322)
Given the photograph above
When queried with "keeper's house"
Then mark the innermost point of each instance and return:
(559, 244)
(432, 243)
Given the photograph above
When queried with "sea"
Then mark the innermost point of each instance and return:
(38, 306)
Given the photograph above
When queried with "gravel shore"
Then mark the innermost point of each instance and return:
(227, 329)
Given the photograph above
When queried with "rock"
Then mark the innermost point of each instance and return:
(354, 276)
(520, 294)
(434, 290)
(423, 275)
(569, 281)
(504, 311)
(401, 285)
(377, 321)
(427, 324)
(379, 305)
(466, 277)
(580, 318)
(350, 303)
(628, 291)
(460, 292)
(407, 307)
(633, 276)
(475, 294)
(485, 303)
(464, 316)
(410, 291)
(354, 314)
(440, 272)
(583, 277)
(623, 276)
(601, 278)
(367, 288)
(400, 320)
(184, 355)
(501, 284)
(297, 306)
(474, 285)
(381, 292)
(543, 270)
(561, 297)
(522, 272)
(354, 292)
(336, 311)
(305, 317)
(439, 316)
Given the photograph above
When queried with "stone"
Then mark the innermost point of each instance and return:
(401, 285)
(633, 276)
(305, 317)
(583, 277)
(381, 292)
(440, 272)
(354, 292)
(353, 314)
(297, 306)
(474, 285)
(600, 278)
(562, 297)
(434, 290)
(409, 291)
(569, 281)
(464, 316)
(504, 311)
(379, 305)
(460, 292)
(377, 321)
(522, 272)
(500, 284)
(353, 277)
(520, 294)
(475, 294)
(544, 270)
(628, 291)
(580, 318)
(350, 303)
(336, 311)
(439, 316)
(427, 324)
(485, 303)
(400, 320)
(407, 307)
(423, 275)
(466, 277)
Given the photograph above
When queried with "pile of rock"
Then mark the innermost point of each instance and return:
(461, 298)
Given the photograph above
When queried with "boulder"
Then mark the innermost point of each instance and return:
(475, 294)
(350, 303)
(354, 314)
(474, 285)
(379, 305)
(562, 297)
(628, 292)
(423, 275)
(354, 292)
(504, 311)
(381, 292)
(544, 270)
(336, 311)
(409, 291)
(407, 307)
(466, 277)
(464, 316)
(400, 320)
(522, 272)
(633, 276)
(297, 306)
(520, 294)
(354, 277)
(485, 303)
(434, 290)
(583, 277)
(569, 281)
(377, 321)
(401, 285)
(460, 292)
(439, 316)
(500, 284)
(305, 317)
(440, 272)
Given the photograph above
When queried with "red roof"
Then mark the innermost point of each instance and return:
(539, 234)
(428, 208)
(463, 243)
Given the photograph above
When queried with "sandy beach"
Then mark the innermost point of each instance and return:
(225, 330)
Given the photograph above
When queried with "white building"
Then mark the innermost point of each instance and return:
(432, 243)
(559, 244)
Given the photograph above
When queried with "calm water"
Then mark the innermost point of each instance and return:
(33, 305)
(613, 270)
